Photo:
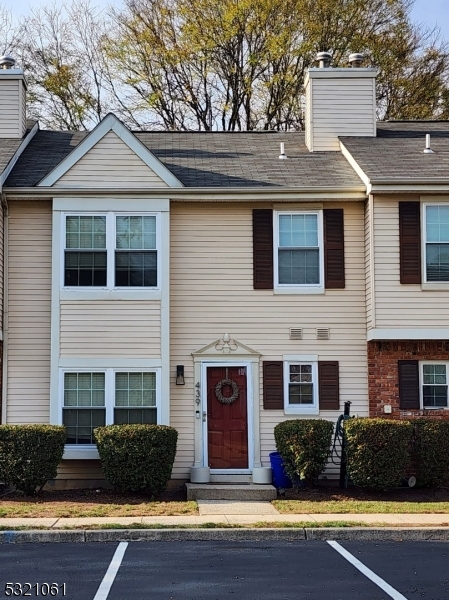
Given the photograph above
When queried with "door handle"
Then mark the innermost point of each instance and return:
(204, 416)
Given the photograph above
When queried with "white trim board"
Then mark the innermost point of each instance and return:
(110, 123)
(407, 334)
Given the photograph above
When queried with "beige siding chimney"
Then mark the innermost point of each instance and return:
(339, 102)
(12, 99)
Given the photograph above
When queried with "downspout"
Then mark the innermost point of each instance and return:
(4, 206)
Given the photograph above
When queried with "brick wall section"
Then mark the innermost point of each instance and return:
(383, 385)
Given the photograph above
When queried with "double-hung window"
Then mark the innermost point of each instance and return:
(112, 250)
(436, 242)
(107, 397)
(434, 385)
(298, 250)
(301, 387)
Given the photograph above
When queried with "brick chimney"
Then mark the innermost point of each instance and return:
(12, 99)
(339, 102)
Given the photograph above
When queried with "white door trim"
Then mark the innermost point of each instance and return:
(249, 414)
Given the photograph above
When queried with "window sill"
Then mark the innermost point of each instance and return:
(103, 294)
(442, 286)
(301, 411)
(76, 453)
(435, 408)
(305, 290)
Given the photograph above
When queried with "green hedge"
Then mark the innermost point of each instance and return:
(137, 457)
(304, 445)
(378, 451)
(30, 454)
(431, 452)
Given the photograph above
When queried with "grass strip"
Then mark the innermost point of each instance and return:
(296, 507)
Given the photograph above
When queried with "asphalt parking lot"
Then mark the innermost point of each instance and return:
(227, 570)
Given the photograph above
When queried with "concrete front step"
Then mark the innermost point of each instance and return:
(242, 492)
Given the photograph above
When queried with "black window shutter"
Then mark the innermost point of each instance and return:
(410, 242)
(334, 248)
(329, 385)
(263, 249)
(273, 385)
(408, 371)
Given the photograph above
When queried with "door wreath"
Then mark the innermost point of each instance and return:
(219, 393)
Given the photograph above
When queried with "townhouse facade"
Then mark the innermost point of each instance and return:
(220, 282)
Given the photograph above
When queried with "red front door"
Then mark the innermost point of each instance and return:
(227, 423)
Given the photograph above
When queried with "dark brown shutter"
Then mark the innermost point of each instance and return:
(273, 385)
(334, 248)
(263, 249)
(410, 242)
(329, 385)
(408, 371)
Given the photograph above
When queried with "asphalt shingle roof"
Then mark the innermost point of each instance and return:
(8, 147)
(396, 154)
(206, 159)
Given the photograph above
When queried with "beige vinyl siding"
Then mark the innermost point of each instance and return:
(341, 107)
(212, 293)
(400, 306)
(110, 328)
(110, 163)
(10, 108)
(368, 266)
(29, 300)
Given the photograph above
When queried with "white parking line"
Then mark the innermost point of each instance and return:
(114, 566)
(386, 587)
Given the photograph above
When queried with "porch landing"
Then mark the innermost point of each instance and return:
(243, 492)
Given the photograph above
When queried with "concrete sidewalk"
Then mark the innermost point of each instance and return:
(224, 512)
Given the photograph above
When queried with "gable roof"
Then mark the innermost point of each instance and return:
(396, 154)
(207, 159)
(10, 149)
(109, 123)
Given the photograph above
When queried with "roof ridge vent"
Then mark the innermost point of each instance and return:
(7, 62)
(324, 59)
(356, 60)
(428, 149)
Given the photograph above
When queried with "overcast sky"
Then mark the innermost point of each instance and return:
(427, 12)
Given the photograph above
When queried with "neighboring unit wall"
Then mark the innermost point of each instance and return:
(383, 377)
(29, 305)
(212, 293)
(400, 306)
(110, 163)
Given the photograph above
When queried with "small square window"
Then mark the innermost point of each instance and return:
(300, 387)
(434, 385)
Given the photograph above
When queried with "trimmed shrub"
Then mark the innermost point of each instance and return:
(304, 445)
(30, 454)
(137, 457)
(431, 456)
(377, 451)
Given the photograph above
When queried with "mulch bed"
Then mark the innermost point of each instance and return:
(326, 492)
(95, 496)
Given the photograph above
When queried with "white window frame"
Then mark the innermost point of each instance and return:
(298, 288)
(301, 409)
(424, 206)
(421, 383)
(110, 251)
(109, 395)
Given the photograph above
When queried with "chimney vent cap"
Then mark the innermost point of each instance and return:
(356, 59)
(324, 58)
(7, 62)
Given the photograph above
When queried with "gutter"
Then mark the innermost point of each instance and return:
(253, 194)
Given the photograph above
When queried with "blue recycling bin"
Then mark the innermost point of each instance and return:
(280, 478)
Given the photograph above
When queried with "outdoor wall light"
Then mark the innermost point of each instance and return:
(180, 375)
